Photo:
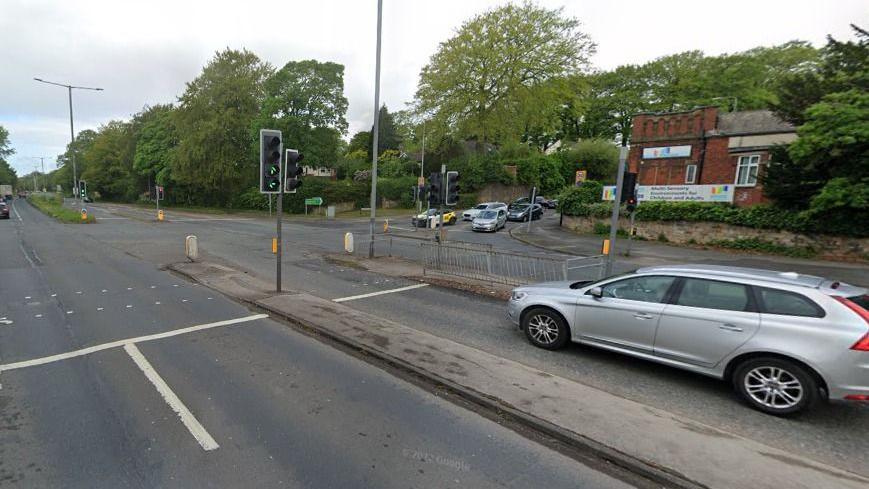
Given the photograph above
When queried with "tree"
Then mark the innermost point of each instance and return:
(214, 120)
(8, 176)
(361, 141)
(305, 100)
(156, 144)
(842, 66)
(109, 162)
(480, 83)
(599, 157)
(387, 136)
(63, 175)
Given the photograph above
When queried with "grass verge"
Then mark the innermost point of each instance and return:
(53, 206)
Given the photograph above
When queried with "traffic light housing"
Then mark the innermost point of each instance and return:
(452, 188)
(629, 187)
(270, 148)
(82, 189)
(435, 189)
(293, 171)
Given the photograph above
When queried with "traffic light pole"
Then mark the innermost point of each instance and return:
(280, 214)
(630, 234)
(614, 219)
(444, 185)
(531, 210)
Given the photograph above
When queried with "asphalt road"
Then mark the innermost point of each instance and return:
(115, 374)
(833, 434)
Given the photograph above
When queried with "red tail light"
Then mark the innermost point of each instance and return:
(863, 343)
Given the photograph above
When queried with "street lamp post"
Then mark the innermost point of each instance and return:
(374, 133)
(71, 129)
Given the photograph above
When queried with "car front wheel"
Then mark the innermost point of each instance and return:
(545, 328)
(776, 386)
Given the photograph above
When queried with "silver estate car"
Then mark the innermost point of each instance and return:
(784, 340)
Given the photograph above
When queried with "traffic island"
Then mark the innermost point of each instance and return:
(666, 449)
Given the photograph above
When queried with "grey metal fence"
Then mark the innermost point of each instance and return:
(497, 266)
(482, 261)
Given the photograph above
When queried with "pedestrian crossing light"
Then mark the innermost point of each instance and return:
(294, 171)
(435, 189)
(270, 149)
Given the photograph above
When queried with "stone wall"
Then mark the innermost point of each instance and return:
(685, 232)
(498, 192)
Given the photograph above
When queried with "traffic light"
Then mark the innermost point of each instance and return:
(270, 147)
(435, 189)
(629, 187)
(294, 170)
(631, 203)
(82, 189)
(452, 188)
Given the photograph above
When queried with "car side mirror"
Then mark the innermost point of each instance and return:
(596, 292)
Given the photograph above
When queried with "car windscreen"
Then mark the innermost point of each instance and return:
(520, 207)
(481, 206)
(488, 215)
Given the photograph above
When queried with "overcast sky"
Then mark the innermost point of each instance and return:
(142, 52)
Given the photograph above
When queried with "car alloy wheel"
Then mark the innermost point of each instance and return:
(773, 387)
(545, 328)
(776, 386)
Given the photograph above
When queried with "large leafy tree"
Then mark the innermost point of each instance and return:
(387, 137)
(213, 120)
(156, 143)
(63, 175)
(480, 84)
(109, 162)
(305, 100)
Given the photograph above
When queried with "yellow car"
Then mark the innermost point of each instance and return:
(424, 219)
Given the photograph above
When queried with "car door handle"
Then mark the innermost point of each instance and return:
(642, 315)
(730, 327)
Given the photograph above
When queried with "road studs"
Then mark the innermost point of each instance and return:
(99, 309)
(38, 316)
(129, 306)
(69, 312)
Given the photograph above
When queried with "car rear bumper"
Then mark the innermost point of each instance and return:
(851, 379)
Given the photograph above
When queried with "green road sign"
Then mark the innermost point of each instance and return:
(314, 201)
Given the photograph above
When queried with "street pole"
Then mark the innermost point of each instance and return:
(374, 134)
(71, 131)
(531, 210)
(630, 234)
(157, 195)
(442, 199)
(421, 166)
(280, 214)
(614, 220)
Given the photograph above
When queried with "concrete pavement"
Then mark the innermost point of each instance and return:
(114, 373)
(832, 434)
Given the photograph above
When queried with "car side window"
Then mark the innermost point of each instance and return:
(713, 294)
(501, 213)
(650, 288)
(789, 304)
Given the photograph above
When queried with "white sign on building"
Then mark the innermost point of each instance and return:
(678, 193)
(667, 152)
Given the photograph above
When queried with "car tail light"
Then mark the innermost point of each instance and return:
(857, 397)
(863, 343)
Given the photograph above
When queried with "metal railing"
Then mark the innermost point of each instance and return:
(505, 267)
(483, 262)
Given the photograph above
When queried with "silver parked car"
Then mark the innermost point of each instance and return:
(470, 214)
(490, 220)
(784, 340)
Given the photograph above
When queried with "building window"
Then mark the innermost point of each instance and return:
(746, 170)
(690, 173)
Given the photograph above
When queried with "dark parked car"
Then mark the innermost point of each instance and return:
(543, 201)
(519, 212)
(4, 210)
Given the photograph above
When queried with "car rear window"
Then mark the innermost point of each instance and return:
(712, 294)
(861, 300)
(787, 303)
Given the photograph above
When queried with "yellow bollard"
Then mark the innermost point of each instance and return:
(386, 226)
(605, 249)
(275, 246)
(160, 215)
(84, 214)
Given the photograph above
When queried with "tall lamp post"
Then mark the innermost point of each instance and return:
(71, 130)
(374, 133)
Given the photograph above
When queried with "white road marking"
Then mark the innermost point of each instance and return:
(372, 294)
(129, 288)
(129, 306)
(26, 297)
(54, 295)
(38, 316)
(99, 309)
(69, 312)
(193, 426)
(16, 212)
(6, 321)
(104, 291)
(78, 292)
(115, 218)
(153, 286)
(157, 303)
(114, 344)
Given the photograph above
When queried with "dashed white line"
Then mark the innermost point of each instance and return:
(114, 344)
(382, 292)
(16, 212)
(193, 425)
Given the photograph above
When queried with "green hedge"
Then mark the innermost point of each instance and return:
(758, 217)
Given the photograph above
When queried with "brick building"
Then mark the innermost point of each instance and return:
(703, 146)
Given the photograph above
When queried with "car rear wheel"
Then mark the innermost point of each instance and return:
(776, 386)
(545, 328)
